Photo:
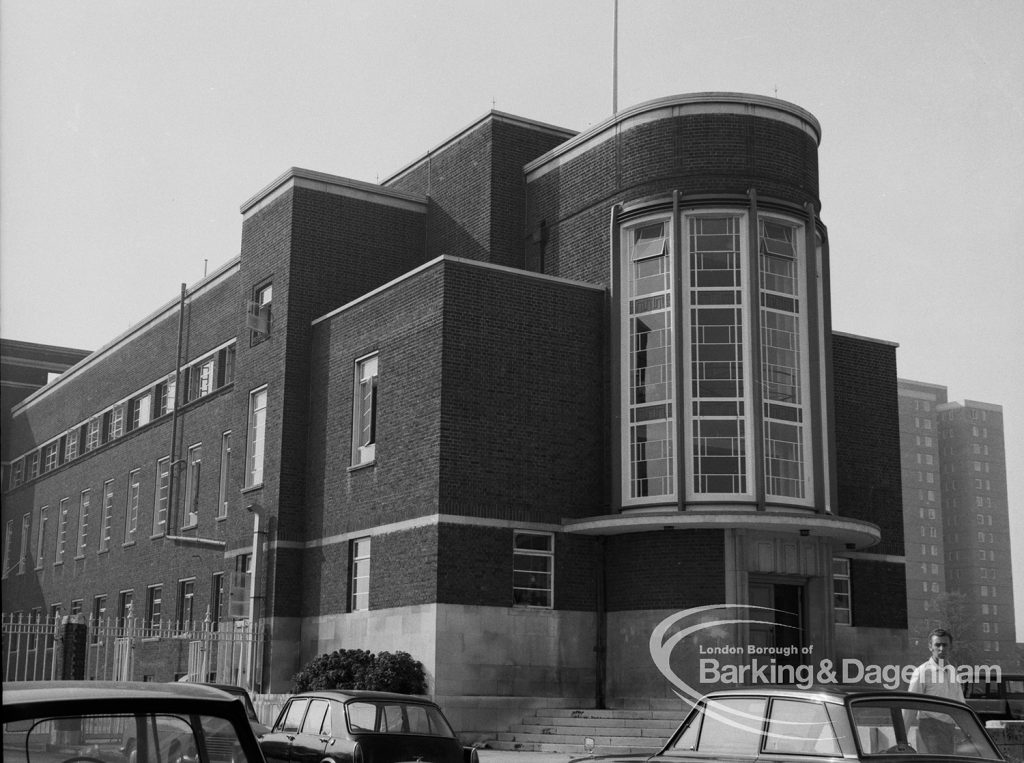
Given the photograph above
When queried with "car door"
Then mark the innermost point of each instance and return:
(315, 732)
(277, 744)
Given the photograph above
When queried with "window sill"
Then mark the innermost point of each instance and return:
(79, 556)
(127, 543)
(252, 488)
(154, 536)
(192, 526)
(357, 467)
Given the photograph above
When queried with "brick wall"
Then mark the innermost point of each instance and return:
(477, 190)
(867, 437)
(665, 570)
(696, 154)
(878, 594)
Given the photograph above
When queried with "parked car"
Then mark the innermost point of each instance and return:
(124, 722)
(258, 728)
(828, 724)
(362, 727)
(1001, 700)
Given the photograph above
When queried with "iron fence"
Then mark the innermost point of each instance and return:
(130, 649)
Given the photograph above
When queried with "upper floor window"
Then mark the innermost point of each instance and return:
(533, 569)
(63, 511)
(259, 317)
(706, 282)
(108, 515)
(224, 491)
(257, 436)
(166, 394)
(41, 536)
(50, 456)
(193, 469)
(140, 409)
(83, 523)
(161, 495)
(131, 513)
(364, 415)
(8, 563)
(650, 361)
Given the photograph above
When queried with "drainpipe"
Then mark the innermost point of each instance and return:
(173, 464)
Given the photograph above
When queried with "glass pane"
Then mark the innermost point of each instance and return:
(802, 728)
(732, 726)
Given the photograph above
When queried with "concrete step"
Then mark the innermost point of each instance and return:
(620, 731)
(573, 750)
(665, 724)
(618, 714)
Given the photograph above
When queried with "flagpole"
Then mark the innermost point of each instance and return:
(615, 59)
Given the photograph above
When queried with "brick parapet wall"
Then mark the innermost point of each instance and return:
(695, 154)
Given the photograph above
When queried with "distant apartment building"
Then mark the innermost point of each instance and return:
(956, 519)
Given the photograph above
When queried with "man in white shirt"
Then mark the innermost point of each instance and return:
(937, 678)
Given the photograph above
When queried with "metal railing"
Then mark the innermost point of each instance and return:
(115, 648)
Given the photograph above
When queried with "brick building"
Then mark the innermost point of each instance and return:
(506, 410)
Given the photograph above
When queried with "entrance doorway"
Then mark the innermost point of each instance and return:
(784, 636)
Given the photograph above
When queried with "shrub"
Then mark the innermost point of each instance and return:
(359, 669)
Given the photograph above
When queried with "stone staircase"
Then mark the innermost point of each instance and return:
(615, 732)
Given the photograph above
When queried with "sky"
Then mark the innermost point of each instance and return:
(132, 132)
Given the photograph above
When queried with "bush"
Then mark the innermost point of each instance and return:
(359, 669)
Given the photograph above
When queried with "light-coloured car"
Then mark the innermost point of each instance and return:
(827, 724)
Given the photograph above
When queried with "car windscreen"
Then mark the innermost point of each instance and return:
(122, 738)
(905, 726)
(397, 718)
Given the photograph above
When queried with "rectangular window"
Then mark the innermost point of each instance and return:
(781, 353)
(364, 415)
(141, 410)
(186, 603)
(41, 536)
(108, 515)
(225, 475)
(218, 598)
(92, 434)
(359, 575)
(257, 435)
(50, 456)
(649, 348)
(33, 465)
(115, 423)
(8, 563)
(62, 530)
(166, 393)
(131, 512)
(125, 605)
(26, 530)
(160, 496)
(199, 379)
(258, 319)
(99, 616)
(718, 441)
(71, 442)
(83, 523)
(154, 604)
(76, 607)
(193, 469)
(841, 591)
(533, 569)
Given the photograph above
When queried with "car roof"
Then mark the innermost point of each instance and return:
(26, 698)
(364, 694)
(834, 692)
